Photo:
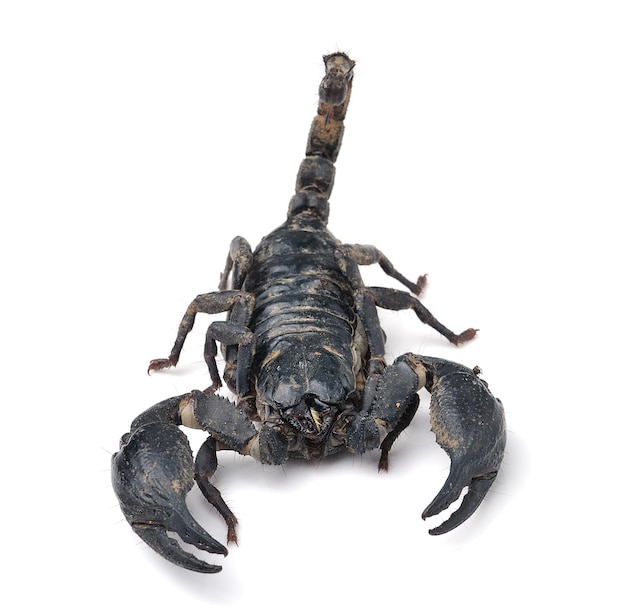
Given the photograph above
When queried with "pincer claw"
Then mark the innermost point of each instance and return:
(477, 490)
(468, 422)
(151, 474)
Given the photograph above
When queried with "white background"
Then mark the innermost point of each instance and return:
(484, 145)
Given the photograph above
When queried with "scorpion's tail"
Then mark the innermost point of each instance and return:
(317, 171)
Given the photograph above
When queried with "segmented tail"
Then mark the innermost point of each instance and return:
(317, 171)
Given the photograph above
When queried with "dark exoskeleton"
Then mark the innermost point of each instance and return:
(304, 355)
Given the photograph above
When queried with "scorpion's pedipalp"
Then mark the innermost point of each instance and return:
(155, 536)
(477, 490)
(151, 474)
(468, 422)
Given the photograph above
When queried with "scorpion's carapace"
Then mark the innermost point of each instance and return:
(305, 357)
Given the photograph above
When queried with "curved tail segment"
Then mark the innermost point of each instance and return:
(317, 171)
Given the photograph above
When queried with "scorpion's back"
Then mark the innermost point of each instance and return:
(304, 316)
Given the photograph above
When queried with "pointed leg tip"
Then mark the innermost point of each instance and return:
(214, 387)
(159, 364)
(422, 280)
(464, 337)
(231, 536)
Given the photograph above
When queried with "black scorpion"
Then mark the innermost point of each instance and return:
(304, 354)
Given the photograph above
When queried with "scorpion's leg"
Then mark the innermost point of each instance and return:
(206, 465)
(370, 255)
(366, 309)
(234, 334)
(237, 262)
(235, 272)
(238, 303)
(153, 472)
(468, 422)
(388, 298)
(396, 300)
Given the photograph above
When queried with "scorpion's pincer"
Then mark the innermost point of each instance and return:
(469, 424)
(152, 473)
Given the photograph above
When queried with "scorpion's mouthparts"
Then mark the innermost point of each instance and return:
(311, 417)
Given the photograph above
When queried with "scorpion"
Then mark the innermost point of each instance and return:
(304, 355)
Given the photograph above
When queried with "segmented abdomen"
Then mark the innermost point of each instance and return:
(304, 317)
